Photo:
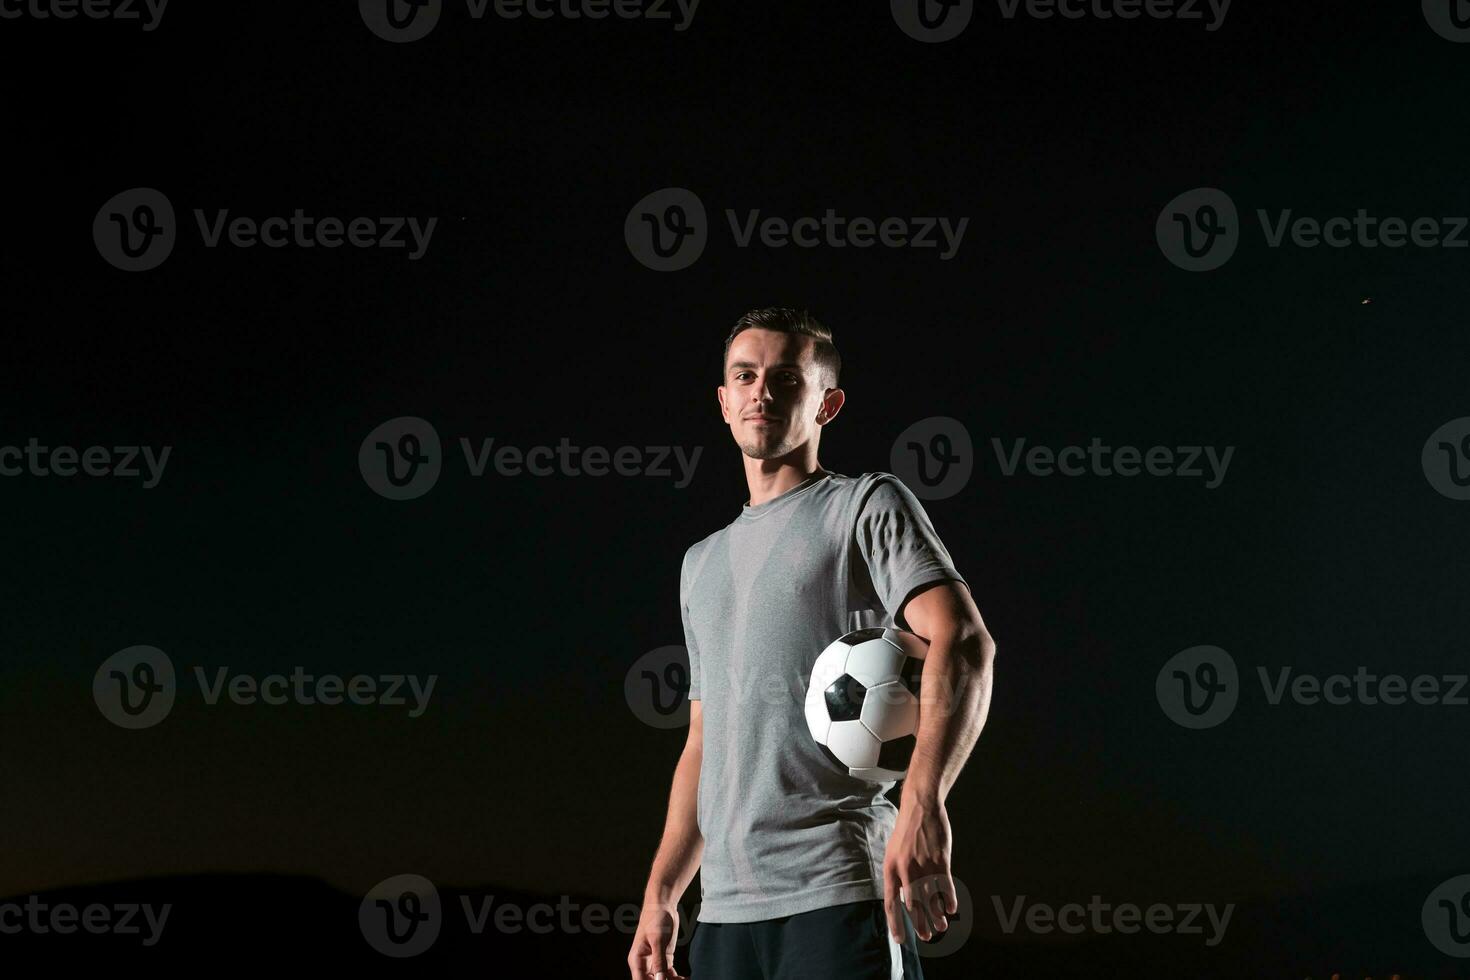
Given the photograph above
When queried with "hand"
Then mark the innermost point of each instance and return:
(652, 955)
(917, 860)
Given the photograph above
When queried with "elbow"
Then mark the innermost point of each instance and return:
(975, 645)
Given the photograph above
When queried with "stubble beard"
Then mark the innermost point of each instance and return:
(757, 448)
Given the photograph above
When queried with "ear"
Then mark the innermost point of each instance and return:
(831, 405)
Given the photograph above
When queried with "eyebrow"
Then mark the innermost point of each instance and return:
(750, 364)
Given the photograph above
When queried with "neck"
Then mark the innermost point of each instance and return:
(769, 478)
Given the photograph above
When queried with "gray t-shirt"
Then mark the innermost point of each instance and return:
(785, 829)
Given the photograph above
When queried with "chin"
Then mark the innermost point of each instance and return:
(756, 450)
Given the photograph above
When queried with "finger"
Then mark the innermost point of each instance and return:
(919, 909)
(934, 903)
(668, 968)
(891, 899)
(951, 894)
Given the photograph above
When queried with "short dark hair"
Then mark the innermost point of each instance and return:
(786, 320)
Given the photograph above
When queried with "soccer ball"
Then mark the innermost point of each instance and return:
(862, 702)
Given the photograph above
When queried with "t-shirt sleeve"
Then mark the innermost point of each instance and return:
(689, 643)
(899, 548)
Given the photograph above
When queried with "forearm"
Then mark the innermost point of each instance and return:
(954, 700)
(682, 844)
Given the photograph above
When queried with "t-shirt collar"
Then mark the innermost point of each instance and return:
(760, 510)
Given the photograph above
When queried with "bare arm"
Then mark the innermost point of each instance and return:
(679, 851)
(956, 686)
(682, 845)
(954, 700)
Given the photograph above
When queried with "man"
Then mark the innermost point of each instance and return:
(807, 871)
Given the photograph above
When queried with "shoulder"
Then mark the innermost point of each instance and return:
(847, 487)
(695, 551)
(879, 484)
(870, 496)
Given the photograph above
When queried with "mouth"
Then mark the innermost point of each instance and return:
(761, 419)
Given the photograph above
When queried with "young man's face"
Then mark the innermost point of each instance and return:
(773, 397)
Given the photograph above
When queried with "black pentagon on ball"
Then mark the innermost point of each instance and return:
(862, 636)
(909, 674)
(844, 698)
(896, 754)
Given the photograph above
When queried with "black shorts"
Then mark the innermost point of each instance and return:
(841, 942)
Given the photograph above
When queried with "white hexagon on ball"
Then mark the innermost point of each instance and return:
(853, 743)
(890, 711)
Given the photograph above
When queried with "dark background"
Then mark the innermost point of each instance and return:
(529, 320)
